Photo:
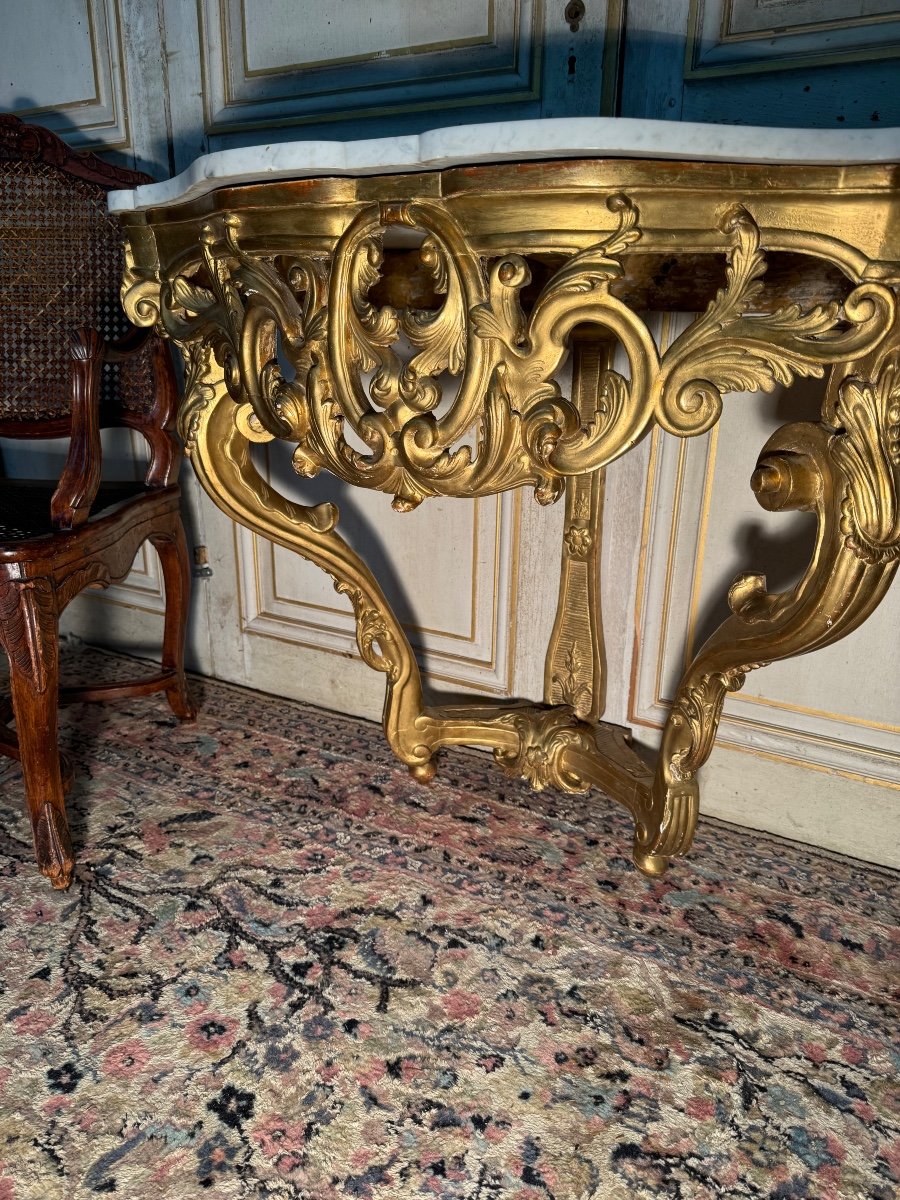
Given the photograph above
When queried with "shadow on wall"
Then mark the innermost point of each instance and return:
(814, 100)
(778, 546)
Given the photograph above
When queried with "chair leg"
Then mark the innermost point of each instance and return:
(31, 639)
(176, 568)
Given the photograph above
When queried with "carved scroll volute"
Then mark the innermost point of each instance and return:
(846, 470)
(395, 414)
(222, 461)
(556, 437)
(726, 350)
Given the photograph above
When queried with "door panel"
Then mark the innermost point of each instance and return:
(264, 68)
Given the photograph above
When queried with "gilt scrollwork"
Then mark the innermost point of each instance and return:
(846, 469)
(461, 397)
(475, 408)
(372, 631)
(868, 453)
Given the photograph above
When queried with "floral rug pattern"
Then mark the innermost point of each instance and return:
(285, 969)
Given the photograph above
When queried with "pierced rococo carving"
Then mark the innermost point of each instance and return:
(253, 313)
(462, 399)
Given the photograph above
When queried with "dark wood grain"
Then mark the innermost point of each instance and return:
(48, 557)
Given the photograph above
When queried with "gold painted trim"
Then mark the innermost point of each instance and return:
(678, 497)
(700, 556)
(665, 340)
(841, 718)
(871, 780)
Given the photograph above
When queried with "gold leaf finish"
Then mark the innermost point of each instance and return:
(282, 298)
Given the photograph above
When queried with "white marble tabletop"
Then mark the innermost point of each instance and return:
(516, 141)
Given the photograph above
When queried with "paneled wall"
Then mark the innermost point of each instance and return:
(809, 748)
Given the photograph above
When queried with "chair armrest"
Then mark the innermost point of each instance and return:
(80, 479)
(157, 425)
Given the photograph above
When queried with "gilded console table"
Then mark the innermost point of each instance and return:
(531, 242)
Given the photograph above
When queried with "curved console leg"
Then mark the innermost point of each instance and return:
(847, 470)
(220, 453)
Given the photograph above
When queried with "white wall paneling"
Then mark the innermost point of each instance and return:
(449, 569)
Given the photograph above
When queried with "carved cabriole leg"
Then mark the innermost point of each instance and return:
(575, 667)
(220, 454)
(30, 637)
(173, 556)
(847, 470)
(351, 374)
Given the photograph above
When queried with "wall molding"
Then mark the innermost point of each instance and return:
(500, 66)
(99, 119)
(728, 37)
(481, 656)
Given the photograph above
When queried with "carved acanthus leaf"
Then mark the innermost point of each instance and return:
(544, 736)
(372, 635)
(507, 356)
(868, 451)
(28, 622)
(198, 390)
(727, 351)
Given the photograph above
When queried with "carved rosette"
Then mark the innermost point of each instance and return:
(544, 737)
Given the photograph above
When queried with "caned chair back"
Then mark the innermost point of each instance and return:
(61, 262)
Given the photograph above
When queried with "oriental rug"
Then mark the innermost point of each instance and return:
(285, 969)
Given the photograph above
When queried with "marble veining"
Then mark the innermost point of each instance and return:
(504, 141)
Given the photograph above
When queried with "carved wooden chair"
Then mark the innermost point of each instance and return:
(70, 363)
